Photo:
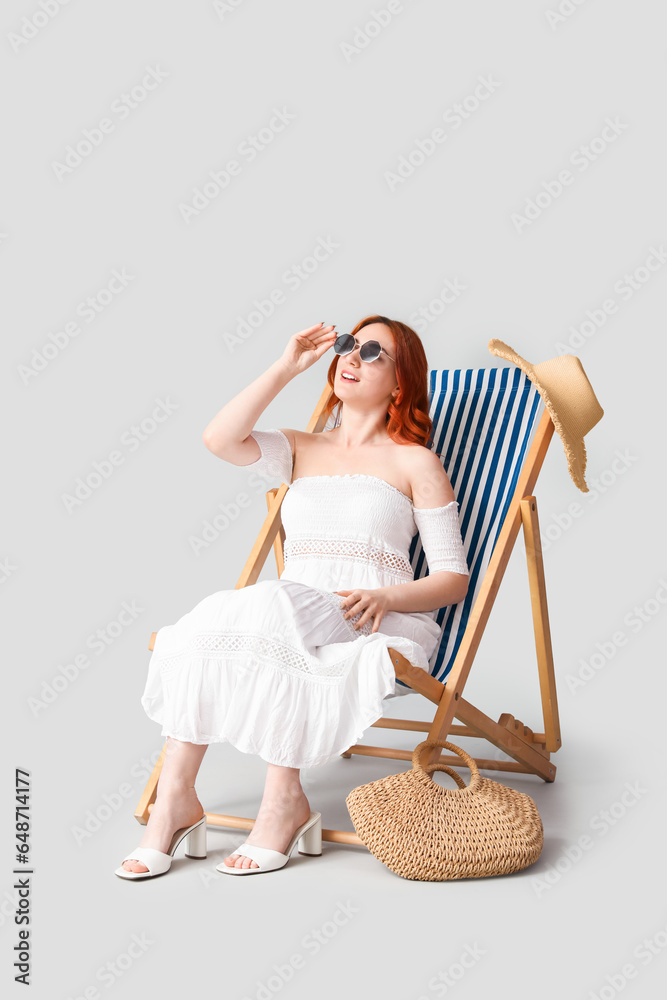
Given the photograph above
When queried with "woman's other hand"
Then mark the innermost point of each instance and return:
(306, 347)
(374, 603)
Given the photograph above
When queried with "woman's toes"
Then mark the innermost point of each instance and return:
(240, 861)
(236, 860)
(134, 866)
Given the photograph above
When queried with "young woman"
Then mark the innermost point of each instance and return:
(296, 669)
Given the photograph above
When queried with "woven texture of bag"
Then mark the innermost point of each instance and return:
(421, 830)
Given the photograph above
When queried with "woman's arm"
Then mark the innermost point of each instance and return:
(429, 593)
(227, 435)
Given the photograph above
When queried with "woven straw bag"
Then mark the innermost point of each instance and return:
(421, 830)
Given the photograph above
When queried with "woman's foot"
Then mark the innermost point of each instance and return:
(280, 814)
(174, 808)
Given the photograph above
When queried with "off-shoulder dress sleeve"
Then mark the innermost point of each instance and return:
(440, 534)
(275, 460)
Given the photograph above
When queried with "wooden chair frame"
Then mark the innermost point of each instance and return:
(531, 751)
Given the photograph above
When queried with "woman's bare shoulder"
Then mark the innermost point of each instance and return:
(429, 483)
(298, 438)
(294, 436)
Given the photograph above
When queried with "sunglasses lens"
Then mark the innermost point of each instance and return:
(344, 344)
(370, 351)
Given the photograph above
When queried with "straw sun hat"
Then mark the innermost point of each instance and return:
(569, 398)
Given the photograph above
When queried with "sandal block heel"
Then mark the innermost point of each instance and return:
(195, 842)
(310, 842)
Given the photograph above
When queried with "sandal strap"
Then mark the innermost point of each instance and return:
(264, 856)
(156, 861)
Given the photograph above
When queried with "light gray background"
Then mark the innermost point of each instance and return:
(67, 574)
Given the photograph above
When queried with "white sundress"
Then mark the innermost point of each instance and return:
(274, 668)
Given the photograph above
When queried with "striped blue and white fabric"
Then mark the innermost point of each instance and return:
(483, 423)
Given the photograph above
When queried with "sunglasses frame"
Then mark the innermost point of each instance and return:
(343, 354)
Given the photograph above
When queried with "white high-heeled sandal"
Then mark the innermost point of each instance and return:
(158, 862)
(309, 835)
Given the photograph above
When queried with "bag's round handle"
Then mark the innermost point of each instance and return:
(445, 767)
(475, 779)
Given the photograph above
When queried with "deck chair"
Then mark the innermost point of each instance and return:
(492, 445)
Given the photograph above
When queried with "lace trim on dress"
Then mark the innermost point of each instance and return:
(354, 550)
(268, 651)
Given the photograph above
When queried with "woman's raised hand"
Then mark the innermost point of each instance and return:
(306, 347)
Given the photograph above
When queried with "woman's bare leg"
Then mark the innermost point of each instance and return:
(284, 808)
(176, 804)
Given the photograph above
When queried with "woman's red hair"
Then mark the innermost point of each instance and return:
(408, 420)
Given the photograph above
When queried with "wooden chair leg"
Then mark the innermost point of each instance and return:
(538, 598)
(149, 793)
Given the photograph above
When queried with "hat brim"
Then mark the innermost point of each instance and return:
(575, 451)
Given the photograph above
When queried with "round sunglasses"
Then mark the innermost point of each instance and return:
(370, 351)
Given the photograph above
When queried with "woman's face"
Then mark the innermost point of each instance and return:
(376, 380)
